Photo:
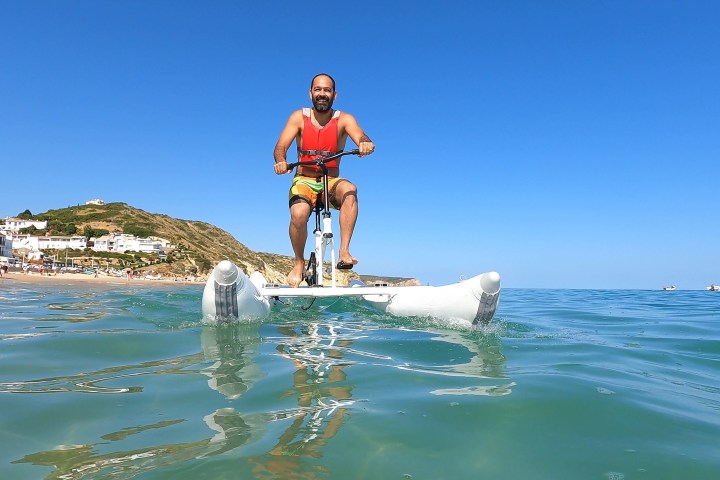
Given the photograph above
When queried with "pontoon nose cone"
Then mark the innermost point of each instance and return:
(225, 273)
(490, 282)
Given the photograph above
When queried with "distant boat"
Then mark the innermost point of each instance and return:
(671, 287)
(713, 288)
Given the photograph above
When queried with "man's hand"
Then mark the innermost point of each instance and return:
(281, 167)
(366, 148)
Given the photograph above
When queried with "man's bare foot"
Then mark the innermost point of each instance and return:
(347, 259)
(346, 262)
(296, 275)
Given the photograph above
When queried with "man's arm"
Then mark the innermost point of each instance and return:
(288, 135)
(356, 134)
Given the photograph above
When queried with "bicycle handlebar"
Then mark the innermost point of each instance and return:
(322, 160)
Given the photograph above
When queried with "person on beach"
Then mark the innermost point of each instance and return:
(320, 131)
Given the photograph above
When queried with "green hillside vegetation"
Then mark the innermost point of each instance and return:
(199, 246)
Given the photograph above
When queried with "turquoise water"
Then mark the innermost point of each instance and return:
(122, 382)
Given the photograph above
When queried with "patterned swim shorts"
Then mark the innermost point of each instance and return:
(309, 189)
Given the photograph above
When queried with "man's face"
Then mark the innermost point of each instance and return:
(322, 94)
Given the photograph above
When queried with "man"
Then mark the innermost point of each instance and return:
(320, 131)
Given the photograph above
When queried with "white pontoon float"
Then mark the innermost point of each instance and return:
(229, 293)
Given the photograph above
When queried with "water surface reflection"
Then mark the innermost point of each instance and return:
(273, 426)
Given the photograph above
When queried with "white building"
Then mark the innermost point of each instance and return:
(6, 243)
(164, 243)
(14, 224)
(132, 243)
(95, 201)
(106, 243)
(60, 242)
(56, 242)
(122, 243)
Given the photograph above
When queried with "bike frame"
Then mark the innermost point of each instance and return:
(314, 273)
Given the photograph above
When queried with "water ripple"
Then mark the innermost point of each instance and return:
(91, 382)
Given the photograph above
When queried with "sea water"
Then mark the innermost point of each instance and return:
(121, 382)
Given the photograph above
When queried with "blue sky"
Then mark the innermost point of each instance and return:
(565, 144)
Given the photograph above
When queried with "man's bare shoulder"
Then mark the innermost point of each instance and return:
(295, 119)
(297, 114)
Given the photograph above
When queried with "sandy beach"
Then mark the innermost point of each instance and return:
(81, 278)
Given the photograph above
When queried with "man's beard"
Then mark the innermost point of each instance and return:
(322, 107)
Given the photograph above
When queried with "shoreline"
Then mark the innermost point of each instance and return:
(81, 278)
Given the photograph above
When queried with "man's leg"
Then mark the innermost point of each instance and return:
(346, 196)
(299, 214)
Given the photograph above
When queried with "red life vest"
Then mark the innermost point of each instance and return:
(319, 142)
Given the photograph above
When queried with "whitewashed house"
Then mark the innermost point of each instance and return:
(56, 242)
(61, 242)
(123, 243)
(106, 243)
(6, 243)
(134, 244)
(164, 243)
(14, 224)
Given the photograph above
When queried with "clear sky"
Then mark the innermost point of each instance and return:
(565, 144)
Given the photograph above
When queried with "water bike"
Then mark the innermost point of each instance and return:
(229, 293)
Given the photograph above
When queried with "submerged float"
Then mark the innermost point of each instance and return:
(229, 294)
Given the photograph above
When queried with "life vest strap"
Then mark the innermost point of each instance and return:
(323, 153)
